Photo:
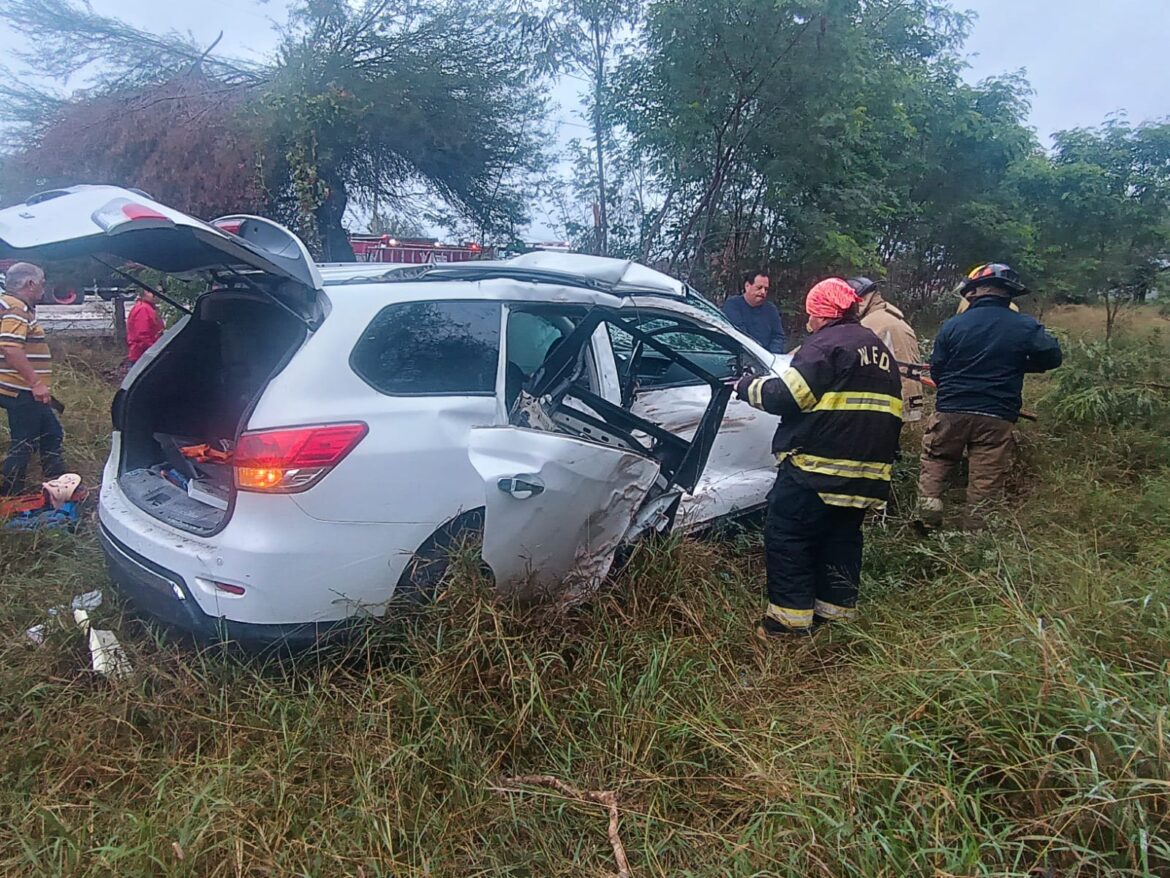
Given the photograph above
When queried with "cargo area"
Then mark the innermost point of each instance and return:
(182, 416)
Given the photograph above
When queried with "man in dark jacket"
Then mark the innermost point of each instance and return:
(753, 315)
(841, 404)
(979, 361)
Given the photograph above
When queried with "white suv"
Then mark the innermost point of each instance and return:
(360, 419)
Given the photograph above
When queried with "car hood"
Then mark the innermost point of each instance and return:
(89, 220)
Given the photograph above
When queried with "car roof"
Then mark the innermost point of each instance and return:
(616, 277)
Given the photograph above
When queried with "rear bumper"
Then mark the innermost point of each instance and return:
(162, 594)
(299, 574)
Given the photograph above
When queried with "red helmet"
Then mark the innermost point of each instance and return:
(994, 274)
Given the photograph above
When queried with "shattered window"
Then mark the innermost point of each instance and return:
(719, 355)
(421, 348)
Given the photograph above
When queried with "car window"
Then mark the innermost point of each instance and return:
(426, 348)
(531, 336)
(720, 355)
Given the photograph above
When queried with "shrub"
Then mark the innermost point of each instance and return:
(1119, 384)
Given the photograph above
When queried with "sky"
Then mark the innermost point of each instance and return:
(1086, 59)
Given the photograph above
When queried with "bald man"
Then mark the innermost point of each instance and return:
(26, 369)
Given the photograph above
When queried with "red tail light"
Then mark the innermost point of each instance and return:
(231, 226)
(122, 212)
(141, 212)
(293, 459)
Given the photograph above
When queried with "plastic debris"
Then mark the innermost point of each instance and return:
(91, 600)
(106, 654)
(109, 659)
(36, 634)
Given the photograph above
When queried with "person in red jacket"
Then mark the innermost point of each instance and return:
(144, 326)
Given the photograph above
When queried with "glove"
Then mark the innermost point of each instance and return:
(742, 385)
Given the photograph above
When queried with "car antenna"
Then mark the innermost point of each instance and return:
(144, 285)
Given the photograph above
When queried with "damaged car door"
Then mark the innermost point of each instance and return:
(572, 476)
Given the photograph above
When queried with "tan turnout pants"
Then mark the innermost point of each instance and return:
(989, 445)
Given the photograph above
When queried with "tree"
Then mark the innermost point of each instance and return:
(182, 141)
(364, 101)
(585, 37)
(820, 136)
(1101, 210)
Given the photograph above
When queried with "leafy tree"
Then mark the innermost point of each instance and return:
(821, 136)
(1101, 211)
(180, 140)
(584, 36)
(363, 101)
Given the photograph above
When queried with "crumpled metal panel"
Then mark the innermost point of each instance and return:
(559, 542)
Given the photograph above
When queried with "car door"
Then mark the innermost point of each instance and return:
(741, 468)
(573, 475)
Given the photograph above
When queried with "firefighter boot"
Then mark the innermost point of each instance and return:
(930, 514)
(770, 629)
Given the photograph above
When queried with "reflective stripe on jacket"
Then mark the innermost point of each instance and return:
(841, 407)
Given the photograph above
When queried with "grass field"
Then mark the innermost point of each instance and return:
(1001, 709)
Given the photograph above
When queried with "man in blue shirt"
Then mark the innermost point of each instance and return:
(752, 313)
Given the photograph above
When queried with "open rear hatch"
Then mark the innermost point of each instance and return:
(574, 476)
(197, 389)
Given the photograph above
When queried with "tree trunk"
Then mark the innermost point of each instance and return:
(335, 246)
(599, 138)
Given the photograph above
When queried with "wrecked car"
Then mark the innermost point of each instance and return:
(309, 442)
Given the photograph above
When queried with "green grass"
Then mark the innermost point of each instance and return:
(1001, 709)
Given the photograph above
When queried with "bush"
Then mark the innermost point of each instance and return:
(1123, 383)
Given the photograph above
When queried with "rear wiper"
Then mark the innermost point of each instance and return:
(144, 285)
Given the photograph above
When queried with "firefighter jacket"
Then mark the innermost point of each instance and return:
(888, 324)
(840, 404)
(980, 358)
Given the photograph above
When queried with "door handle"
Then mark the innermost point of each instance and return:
(521, 487)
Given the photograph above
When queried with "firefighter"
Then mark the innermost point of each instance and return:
(841, 408)
(979, 361)
(888, 324)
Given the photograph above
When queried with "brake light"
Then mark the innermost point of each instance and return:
(121, 211)
(294, 459)
(231, 226)
(134, 211)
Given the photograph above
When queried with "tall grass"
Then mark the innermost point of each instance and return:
(1000, 709)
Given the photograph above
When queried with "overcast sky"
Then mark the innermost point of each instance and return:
(1085, 59)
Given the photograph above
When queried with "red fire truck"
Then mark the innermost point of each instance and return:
(384, 248)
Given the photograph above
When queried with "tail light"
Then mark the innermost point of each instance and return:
(121, 211)
(293, 459)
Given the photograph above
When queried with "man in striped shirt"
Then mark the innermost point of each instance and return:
(26, 368)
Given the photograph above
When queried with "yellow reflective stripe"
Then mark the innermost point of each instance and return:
(835, 612)
(848, 469)
(852, 401)
(798, 387)
(852, 501)
(790, 617)
(755, 393)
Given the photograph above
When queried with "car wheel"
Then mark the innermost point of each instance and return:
(425, 574)
(64, 296)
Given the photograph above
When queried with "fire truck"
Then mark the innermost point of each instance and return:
(418, 251)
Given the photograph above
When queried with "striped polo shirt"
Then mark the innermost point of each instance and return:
(19, 329)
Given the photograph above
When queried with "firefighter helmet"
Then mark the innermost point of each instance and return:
(863, 286)
(994, 274)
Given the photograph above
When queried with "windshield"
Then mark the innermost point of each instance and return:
(696, 299)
